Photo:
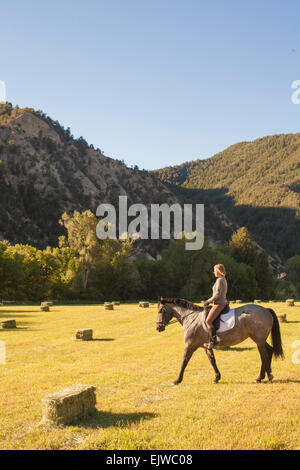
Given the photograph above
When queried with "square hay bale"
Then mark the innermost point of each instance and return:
(290, 302)
(282, 317)
(8, 324)
(143, 304)
(47, 304)
(45, 308)
(85, 334)
(239, 301)
(257, 301)
(70, 405)
(108, 306)
(116, 302)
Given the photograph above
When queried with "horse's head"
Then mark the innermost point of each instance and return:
(164, 315)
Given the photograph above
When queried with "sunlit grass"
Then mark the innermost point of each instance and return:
(133, 367)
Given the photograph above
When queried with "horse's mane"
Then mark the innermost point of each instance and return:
(182, 303)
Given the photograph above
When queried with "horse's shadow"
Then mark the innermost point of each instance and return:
(231, 348)
(104, 419)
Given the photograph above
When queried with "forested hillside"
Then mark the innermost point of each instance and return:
(256, 184)
(44, 172)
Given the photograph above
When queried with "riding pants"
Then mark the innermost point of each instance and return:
(214, 313)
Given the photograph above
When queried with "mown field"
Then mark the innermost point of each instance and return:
(133, 367)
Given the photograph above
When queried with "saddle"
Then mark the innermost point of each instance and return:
(217, 321)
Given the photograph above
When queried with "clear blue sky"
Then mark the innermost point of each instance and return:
(155, 82)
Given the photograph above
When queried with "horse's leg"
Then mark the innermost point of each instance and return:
(188, 352)
(264, 361)
(211, 357)
(270, 351)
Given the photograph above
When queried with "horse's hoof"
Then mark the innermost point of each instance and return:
(216, 379)
(176, 382)
(270, 377)
(258, 381)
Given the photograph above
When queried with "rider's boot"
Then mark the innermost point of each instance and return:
(212, 338)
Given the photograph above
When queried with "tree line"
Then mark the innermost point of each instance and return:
(83, 268)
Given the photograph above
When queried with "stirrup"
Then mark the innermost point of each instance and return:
(211, 345)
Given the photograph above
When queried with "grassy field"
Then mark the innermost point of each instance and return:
(133, 367)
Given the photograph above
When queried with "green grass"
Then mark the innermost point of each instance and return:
(133, 367)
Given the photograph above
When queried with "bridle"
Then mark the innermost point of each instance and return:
(160, 320)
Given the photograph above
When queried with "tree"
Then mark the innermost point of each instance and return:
(187, 270)
(242, 245)
(293, 272)
(81, 228)
(263, 276)
(110, 254)
(240, 276)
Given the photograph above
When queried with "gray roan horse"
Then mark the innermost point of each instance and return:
(251, 321)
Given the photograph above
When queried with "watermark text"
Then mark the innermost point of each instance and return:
(163, 222)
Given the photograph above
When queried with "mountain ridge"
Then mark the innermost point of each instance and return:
(260, 178)
(45, 172)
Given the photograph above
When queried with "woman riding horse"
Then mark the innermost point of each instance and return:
(220, 301)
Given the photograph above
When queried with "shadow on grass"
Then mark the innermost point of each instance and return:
(230, 348)
(13, 313)
(103, 419)
(296, 321)
(286, 381)
(19, 328)
(103, 339)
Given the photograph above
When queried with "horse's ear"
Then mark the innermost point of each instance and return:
(159, 299)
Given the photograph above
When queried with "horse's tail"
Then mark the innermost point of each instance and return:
(276, 336)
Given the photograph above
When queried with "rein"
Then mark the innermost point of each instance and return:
(188, 314)
(161, 322)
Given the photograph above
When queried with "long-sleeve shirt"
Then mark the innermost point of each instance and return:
(219, 291)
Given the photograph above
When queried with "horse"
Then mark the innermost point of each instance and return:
(251, 321)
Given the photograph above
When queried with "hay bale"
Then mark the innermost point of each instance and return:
(238, 301)
(8, 324)
(257, 301)
(143, 304)
(45, 308)
(47, 304)
(290, 302)
(282, 317)
(69, 405)
(108, 306)
(116, 302)
(85, 334)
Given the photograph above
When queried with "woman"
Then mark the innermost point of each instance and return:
(219, 300)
